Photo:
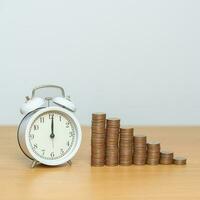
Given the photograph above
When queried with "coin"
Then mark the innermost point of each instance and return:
(113, 122)
(112, 137)
(139, 150)
(178, 160)
(98, 146)
(126, 129)
(152, 162)
(97, 129)
(139, 162)
(166, 157)
(153, 146)
(140, 138)
(126, 146)
(99, 116)
(153, 153)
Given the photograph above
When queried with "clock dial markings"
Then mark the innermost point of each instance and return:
(43, 151)
(31, 136)
(52, 154)
(67, 124)
(71, 134)
(62, 151)
(51, 115)
(41, 119)
(62, 131)
(36, 127)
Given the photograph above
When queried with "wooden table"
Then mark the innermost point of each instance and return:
(81, 181)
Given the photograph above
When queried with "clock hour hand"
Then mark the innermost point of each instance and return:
(52, 143)
(52, 128)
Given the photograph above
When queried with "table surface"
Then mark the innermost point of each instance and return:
(81, 181)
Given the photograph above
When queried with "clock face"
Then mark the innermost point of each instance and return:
(52, 135)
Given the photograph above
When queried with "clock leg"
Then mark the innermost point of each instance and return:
(69, 162)
(34, 163)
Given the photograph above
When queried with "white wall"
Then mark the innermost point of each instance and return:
(135, 59)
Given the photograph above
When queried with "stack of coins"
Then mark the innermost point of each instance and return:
(126, 146)
(112, 135)
(153, 153)
(166, 157)
(180, 160)
(98, 139)
(139, 152)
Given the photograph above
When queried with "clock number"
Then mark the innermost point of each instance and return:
(71, 134)
(35, 146)
(51, 116)
(41, 119)
(31, 136)
(60, 118)
(68, 143)
(52, 154)
(62, 151)
(43, 151)
(35, 127)
(67, 124)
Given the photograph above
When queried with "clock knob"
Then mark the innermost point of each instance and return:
(32, 104)
(66, 103)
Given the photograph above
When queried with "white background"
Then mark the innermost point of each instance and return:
(139, 60)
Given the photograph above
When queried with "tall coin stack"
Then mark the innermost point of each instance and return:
(166, 157)
(126, 146)
(139, 152)
(112, 135)
(98, 139)
(153, 153)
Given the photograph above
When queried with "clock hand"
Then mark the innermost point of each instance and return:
(52, 143)
(52, 128)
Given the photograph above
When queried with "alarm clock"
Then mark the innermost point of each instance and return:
(49, 132)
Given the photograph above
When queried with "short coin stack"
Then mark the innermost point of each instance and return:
(112, 135)
(179, 160)
(98, 139)
(166, 157)
(126, 146)
(153, 153)
(139, 152)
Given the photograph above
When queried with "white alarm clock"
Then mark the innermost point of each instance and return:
(50, 134)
